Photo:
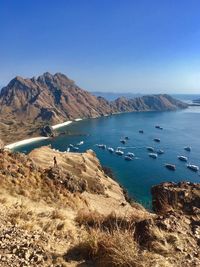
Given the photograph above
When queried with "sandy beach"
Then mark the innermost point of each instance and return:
(35, 139)
(61, 125)
(24, 142)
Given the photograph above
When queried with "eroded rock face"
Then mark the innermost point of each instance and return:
(175, 231)
(183, 196)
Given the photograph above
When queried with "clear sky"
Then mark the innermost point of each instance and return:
(146, 46)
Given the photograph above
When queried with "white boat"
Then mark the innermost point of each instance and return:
(171, 167)
(160, 151)
(123, 141)
(159, 127)
(110, 149)
(75, 148)
(68, 149)
(80, 143)
(102, 146)
(119, 152)
(153, 155)
(188, 148)
(71, 145)
(193, 167)
(149, 148)
(183, 158)
(130, 154)
(128, 158)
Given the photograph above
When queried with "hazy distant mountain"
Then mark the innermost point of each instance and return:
(28, 103)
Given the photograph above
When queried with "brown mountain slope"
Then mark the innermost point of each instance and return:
(28, 104)
(49, 97)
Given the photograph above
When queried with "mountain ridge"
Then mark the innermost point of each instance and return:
(52, 99)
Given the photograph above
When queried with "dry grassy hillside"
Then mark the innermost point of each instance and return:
(73, 214)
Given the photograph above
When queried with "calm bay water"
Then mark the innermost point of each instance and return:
(181, 128)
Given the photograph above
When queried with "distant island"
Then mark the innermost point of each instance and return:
(27, 105)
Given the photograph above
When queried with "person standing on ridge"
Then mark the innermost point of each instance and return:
(55, 162)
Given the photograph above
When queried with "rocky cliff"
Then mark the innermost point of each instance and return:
(28, 104)
(72, 214)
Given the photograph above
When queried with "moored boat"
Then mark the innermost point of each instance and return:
(119, 152)
(183, 158)
(157, 140)
(102, 146)
(110, 149)
(75, 148)
(159, 127)
(153, 155)
(80, 143)
(128, 158)
(160, 151)
(193, 167)
(130, 154)
(123, 141)
(170, 166)
(151, 149)
(188, 148)
(141, 131)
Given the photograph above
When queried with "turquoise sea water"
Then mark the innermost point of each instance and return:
(180, 128)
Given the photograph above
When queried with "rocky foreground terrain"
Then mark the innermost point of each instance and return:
(26, 105)
(73, 214)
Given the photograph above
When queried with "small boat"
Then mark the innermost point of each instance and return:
(110, 149)
(80, 143)
(157, 140)
(71, 145)
(159, 127)
(153, 155)
(123, 141)
(188, 148)
(130, 154)
(183, 158)
(151, 149)
(126, 138)
(160, 151)
(141, 131)
(170, 166)
(68, 149)
(119, 152)
(192, 167)
(102, 146)
(75, 148)
(128, 158)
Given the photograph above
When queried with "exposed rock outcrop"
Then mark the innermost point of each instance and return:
(175, 232)
(183, 196)
(47, 131)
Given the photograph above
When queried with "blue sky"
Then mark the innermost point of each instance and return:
(145, 46)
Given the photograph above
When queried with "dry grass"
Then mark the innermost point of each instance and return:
(111, 241)
(117, 249)
(92, 219)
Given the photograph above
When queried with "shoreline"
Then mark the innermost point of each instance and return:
(25, 142)
(35, 139)
(56, 126)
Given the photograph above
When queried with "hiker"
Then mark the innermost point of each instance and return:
(55, 162)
